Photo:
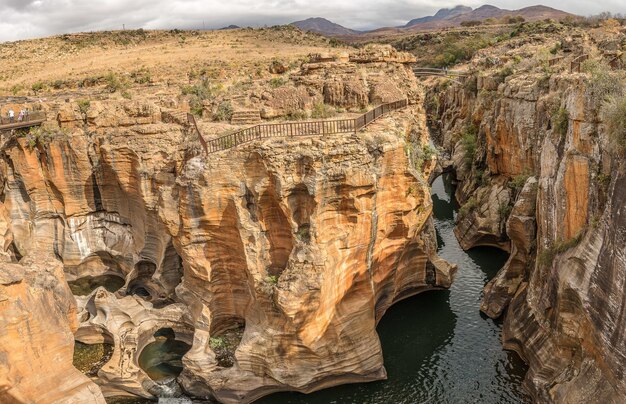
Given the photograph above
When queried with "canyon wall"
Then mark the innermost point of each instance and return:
(540, 176)
(274, 261)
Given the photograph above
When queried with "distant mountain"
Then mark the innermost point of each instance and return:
(230, 27)
(454, 17)
(323, 26)
(440, 15)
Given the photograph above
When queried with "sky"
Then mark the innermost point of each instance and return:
(23, 19)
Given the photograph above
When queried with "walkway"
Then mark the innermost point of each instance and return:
(33, 119)
(293, 129)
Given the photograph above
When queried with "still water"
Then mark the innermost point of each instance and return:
(437, 346)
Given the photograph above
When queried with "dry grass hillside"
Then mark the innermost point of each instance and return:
(133, 60)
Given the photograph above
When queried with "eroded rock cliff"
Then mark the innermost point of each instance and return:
(274, 260)
(540, 176)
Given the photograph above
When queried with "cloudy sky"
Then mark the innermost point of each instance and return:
(21, 19)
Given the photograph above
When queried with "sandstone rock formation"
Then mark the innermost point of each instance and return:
(36, 340)
(274, 260)
(561, 291)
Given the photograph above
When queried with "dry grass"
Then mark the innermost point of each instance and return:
(62, 63)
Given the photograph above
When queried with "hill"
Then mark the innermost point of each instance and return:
(446, 18)
(324, 27)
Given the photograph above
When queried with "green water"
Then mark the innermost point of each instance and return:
(89, 358)
(437, 346)
(86, 285)
(162, 359)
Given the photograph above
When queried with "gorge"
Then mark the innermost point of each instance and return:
(137, 264)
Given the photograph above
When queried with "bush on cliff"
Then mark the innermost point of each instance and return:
(469, 143)
(613, 115)
(602, 83)
(560, 122)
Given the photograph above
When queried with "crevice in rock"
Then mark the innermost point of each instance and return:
(302, 205)
(226, 337)
(140, 285)
(87, 284)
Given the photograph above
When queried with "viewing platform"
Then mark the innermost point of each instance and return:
(32, 119)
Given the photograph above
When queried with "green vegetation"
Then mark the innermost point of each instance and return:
(471, 23)
(603, 84)
(198, 94)
(272, 279)
(504, 210)
(276, 82)
(38, 86)
(41, 136)
(469, 143)
(517, 182)
(224, 112)
(297, 115)
(304, 233)
(322, 111)
(114, 83)
(560, 122)
(217, 343)
(546, 257)
(613, 115)
(141, 76)
(503, 74)
(83, 106)
(468, 206)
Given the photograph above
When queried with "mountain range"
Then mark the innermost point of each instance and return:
(444, 18)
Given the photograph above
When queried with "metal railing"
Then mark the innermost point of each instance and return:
(575, 65)
(32, 119)
(294, 129)
(432, 71)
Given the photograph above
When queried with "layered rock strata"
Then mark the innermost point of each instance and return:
(542, 140)
(274, 260)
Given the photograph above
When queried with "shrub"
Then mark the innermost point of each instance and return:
(217, 343)
(560, 122)
(83, 106)
(504, 210)
(114, 83)
(503, 74)
(517, 182)
(276, 82)
(224, 112)
(471, 85)
(141, 76)
(297, 115)
(322, 111)
(38, 86)
(546, 257)
(272, 279)
(613, 115)
(471, 23)
(602, 83)
(468, 207)
(468, 140)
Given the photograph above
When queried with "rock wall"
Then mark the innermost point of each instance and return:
(36, 340)
(273, 260)
(544, 182)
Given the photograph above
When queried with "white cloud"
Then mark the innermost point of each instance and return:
(20, 19)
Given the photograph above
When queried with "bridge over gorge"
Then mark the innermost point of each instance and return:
(455, 75)
(32, 119)
(294, 129)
